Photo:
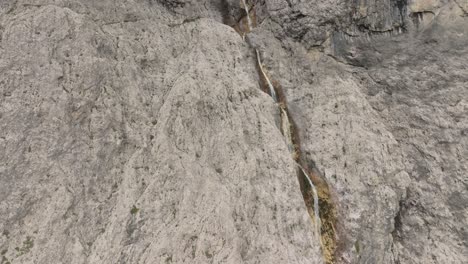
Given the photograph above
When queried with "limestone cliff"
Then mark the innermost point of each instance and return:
(222, 131)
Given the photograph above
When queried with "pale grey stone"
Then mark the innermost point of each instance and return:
(135, 131)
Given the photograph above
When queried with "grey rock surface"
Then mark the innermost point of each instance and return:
(382, 112)
(144, 141)
(135, 131)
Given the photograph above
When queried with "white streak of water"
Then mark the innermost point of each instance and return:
(286, 127)
(249, 22)
(270, 85)
(316, 205)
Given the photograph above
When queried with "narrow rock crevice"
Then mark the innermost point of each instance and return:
(397, 233)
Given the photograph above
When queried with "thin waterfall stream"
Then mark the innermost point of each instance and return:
(314, 188)
(270, 85)
(316, 204)
(286, 127)
(249, 21)
(259, 60)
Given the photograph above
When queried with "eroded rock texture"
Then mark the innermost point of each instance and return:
(135, 131)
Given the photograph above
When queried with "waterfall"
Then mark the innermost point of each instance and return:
(287, 130)
(249, 22)
(316, 204)
(286, 127)
(270, 85)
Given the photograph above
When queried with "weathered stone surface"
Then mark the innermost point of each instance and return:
(135, 131)
(386, 124)
(140, 141)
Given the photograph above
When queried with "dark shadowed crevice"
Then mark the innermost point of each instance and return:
(225, 14)
(398, 224)
(171, 4)
(402, 6)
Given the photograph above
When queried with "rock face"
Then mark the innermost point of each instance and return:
(136, 131)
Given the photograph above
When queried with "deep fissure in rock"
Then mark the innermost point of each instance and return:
(306, 169)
